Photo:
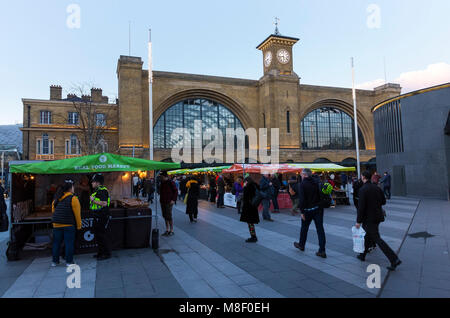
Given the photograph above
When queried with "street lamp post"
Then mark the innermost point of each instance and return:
(356, 120)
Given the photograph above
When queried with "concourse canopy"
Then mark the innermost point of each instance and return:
(105, 162)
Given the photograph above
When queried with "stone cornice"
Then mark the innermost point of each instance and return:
(205, 78)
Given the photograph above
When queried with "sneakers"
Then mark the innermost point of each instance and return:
(253, 239)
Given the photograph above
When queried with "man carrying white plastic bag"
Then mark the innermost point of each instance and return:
(358, 239)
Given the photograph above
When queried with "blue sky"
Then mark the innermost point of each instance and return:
(217, 38)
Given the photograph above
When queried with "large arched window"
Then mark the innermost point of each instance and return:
(329, 128)
(183, 115)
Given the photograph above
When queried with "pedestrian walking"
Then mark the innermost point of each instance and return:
(66, 220)
(309, 202)
(276, 184)
(238, 192)
(100, 202)
(344, 180)
(293, 193)
(168, 195)
(136, 185)
(221, 192)
(370, 215)
(250, 213)
(376, 178)
(149, 189)
(266, 190)
(4, 221)
(193, 189)
(386, 181)
(183, 189)
(212, 190)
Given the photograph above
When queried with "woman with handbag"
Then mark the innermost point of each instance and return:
(250, 213)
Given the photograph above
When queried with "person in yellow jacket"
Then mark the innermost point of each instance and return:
(66, 220)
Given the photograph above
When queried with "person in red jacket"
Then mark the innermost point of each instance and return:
(168, 196)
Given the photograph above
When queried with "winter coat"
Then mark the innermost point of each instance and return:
(193, 190)
(308, 194)
(371, 200)
(221, 186)
(249, 211)
(168, 192)
(265, 188)
(386, 181)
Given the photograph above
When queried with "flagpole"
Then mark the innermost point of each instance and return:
(150, 93)
(356, 120)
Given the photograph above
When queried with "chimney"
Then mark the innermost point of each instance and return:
(96, 94)
(105, 99)
(71, 96)
(86, 98)
(55, 92)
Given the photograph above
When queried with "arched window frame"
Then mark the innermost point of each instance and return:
(183, 114)
(319, 135)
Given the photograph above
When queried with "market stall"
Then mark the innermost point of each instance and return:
(288, 170)
(204, 174)
(33, 187)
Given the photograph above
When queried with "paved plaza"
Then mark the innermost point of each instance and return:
(211, 259)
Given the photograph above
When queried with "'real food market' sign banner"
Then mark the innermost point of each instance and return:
(92, 164)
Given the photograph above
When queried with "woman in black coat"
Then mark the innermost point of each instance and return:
(193, 189)
(250, 213)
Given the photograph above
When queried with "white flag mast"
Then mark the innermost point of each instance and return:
(150, 93)
(356, 121)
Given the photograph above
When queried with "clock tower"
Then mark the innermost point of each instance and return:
(277, 54)
(279, 90)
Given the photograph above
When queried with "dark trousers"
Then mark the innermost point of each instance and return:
(102, 229)
(317, 216)
(373, 237)
(387, 192)
(275, 201)
(220, 201)
(68, 235)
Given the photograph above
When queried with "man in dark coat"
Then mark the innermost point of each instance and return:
(370, 215)
(221, 192)
(309, 202)
(250, 213)
(183, 189)
(4, 222)
(386, 181)
(168, 196)
(192, 200)
(266, 190)
(276, 190)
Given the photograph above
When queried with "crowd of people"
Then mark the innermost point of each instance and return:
(307, 192)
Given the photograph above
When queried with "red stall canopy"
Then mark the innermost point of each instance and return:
(264, 169)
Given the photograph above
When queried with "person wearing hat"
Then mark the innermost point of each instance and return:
(99, 206)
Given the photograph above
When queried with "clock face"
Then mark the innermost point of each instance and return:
(283, 56)
(268, 59)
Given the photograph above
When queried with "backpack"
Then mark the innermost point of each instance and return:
(325, 191)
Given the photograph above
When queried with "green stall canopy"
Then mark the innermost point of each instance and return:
(105, 162)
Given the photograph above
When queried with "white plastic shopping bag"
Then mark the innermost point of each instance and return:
(358, 239)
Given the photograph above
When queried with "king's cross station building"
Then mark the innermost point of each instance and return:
(315, 122)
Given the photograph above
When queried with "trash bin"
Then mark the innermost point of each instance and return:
(138, 230)
(118, 228)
